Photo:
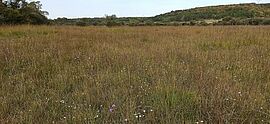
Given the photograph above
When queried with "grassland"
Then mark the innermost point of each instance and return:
(51, 74)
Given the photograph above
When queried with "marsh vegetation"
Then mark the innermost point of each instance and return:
(52, 74)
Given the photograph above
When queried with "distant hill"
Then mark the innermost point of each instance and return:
(235, 14)
(217, 13)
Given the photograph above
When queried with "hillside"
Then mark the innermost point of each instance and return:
(217, 13)
(236, 14)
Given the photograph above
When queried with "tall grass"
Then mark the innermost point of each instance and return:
(51, 74)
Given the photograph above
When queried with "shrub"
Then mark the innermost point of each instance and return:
(81, 23)
(266, 22)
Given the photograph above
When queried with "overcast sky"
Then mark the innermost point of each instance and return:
(127, 8)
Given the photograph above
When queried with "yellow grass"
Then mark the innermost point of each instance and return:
(51, 74)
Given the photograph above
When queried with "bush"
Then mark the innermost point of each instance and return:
(266, 22)
(2, 19)
(81, 23)
(112, 23)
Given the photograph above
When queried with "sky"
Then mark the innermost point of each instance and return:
(126, 8)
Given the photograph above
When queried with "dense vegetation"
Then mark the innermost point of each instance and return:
(21, 12)
(238, 14)
(152, 75)
(107, 20)
(252, 14)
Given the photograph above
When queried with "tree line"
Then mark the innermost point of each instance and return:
(236, 14)
(22, 12)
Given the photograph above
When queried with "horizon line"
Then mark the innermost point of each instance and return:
(149, 16)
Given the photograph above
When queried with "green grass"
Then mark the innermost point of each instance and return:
(52, 74)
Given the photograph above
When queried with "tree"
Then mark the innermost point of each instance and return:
(33, 14)
(21, 12)
(111, 20)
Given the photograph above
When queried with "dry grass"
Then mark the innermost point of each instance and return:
(134, 74)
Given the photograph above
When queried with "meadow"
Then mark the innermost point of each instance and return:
(69, 74)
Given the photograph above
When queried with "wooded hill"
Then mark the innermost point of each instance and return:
(236, 14)
(23, 12)
(225, 14)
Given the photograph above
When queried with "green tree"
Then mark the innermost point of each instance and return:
(21, 12)
(111, 20)
(2, 7)
(32, 13)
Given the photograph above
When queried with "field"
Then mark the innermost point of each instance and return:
(68, 74)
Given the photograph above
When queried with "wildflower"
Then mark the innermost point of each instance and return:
(112, 108)
(62, 101)
(96, 116)
(126, 120)
(201, 121)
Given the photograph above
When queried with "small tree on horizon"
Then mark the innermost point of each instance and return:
(111, 20)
